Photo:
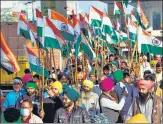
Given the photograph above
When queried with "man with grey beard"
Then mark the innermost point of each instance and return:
(146, 103)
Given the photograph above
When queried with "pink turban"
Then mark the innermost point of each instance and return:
(107, 84)
(145, 84)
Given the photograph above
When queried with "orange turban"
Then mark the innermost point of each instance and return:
(145, 84)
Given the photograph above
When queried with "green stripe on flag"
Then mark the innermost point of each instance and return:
(85, 31)
(39, 31)
(96, 23)
(86, 49)
(67, 36)
(107, 29)
(117, 13)
(132, 36)
(77, 46)
(146, 48)
(39, 70)
(25, 33)
(51, 43)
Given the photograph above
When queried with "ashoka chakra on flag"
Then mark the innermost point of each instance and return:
(64, 27)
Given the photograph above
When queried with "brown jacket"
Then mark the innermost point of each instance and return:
(156, 112)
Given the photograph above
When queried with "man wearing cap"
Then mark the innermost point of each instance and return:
(90, 99)
(53, 102)
(31, 95)
(71, 113)
(12, 97)
(114, 66)
(146, 103)
(107, 101)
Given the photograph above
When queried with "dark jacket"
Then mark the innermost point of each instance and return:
(51, 104)
(36, 101)
(129, 98)
(78, 115)
(112, 115)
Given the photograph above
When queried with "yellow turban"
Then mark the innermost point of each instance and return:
(153, 62)
(88, 83)
(58, 86)
(139, 118)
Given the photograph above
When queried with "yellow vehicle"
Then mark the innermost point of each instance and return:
(7, 79)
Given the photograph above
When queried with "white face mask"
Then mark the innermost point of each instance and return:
(24, 112)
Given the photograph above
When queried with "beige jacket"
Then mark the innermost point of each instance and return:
(158, 77)
(35, 119)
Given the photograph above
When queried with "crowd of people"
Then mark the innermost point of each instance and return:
(112, 93)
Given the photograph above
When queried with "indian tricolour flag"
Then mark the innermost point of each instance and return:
(40, 23)
(128, 9)
(123, 36)
(35, 63)
(133, 18)
(52, 37)
(84, 46)
(77, 35)
(8, 61)
(117, 9)
(95, 17)
(148, 43)
(143, 22)
(25, 29)
(108, 28)
(83, 25)
(86, 18)
(132, 29)
(62, 24)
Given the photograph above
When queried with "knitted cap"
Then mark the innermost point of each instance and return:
(88, 83)
(58, 86)
(107, 84)
(118, 75)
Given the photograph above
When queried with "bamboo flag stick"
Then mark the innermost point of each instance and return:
(43, 84)
(54, 64)
(50, 61)
(103, 54)
(129, 49)
(17, 53)
(72, 74)
(96, 64)
(135, 47)
(83, 60)
(137, 53)
(95, 71)
(76, 71)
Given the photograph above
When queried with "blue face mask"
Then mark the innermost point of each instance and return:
(24, 112)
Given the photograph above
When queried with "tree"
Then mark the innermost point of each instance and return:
(6, 15)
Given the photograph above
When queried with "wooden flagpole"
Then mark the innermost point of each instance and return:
(54, 64)
(129, 49)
